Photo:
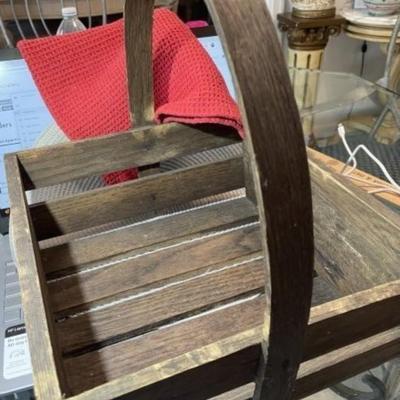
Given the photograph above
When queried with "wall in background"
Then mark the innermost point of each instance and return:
(343, 54)
(276, 6)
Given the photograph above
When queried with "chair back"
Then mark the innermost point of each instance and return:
(23, 19)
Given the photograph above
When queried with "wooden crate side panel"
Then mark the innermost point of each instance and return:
(346, 362)
(352, 318)
(186, 296)
(200, 219)
(52, 165)
(314, 375)
(138, 270)
(46, 359)
(128, 199)
(92, 369)
(346, 358)
(356, 236)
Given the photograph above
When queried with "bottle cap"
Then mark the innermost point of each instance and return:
(69, 12)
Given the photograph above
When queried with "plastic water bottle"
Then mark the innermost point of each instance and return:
(70, 22)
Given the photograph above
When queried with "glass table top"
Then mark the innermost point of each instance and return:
(369, 114)
(330, 98)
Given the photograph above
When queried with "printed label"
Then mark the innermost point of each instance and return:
(17, 359)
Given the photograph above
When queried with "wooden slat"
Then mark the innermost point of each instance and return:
(337, 167)
(365, 232)
(192, 293)
(342, 364)
(152, 310)
(139, 60)
(348, 264)
(145, 146)
(282, 181)
(128, 199)
(156, 265)
(220, 376)
(241, 393)
(171, 371)
(92, 369)
(46, 361)
(98, 247)
(344, 321)
(164, 379)
(314, 375)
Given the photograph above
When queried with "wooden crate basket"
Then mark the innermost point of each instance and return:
(216, 301)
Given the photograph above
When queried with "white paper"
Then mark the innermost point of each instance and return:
(17, 359)
(213, 46)
(23, 114)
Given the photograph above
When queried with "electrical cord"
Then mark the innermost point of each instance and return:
(377, 188)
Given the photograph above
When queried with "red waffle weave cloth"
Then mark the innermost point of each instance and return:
(82, 79)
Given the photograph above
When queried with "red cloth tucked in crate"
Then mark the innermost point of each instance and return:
(82, 79)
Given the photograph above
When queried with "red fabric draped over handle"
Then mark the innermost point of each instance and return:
(82, 79)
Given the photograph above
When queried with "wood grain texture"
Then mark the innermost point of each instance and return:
(333, 325)
(248, 172)
(49, 376)
(177, 314)
(131, 356)
(94, 248)
(140, 147)
(282, 182)
(135, 270)
(337, 167)
(336, 365)
(346, 362)
(352, 318)
(313, 376)
(151, 310)
(365, 232)
(139, 60)
(124, 200)
(173, 367)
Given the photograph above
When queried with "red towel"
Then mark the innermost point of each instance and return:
(82, 79)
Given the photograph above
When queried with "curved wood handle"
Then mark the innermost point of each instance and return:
(278, 158)
(139, 63)
(282, 183)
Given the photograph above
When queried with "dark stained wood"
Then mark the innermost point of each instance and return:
(112, 362)
(119, 151)
(346, 362)
(139, 60)
(128, 199)
(185, 296)
(94, 248)
(211, 374)
(248, 172)
(49, 375)
(282, 183)
(173, 310)
(366, 234)
(242, 365)
(201, 383)
(352, 318)
(337, 365)
(155, 265)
